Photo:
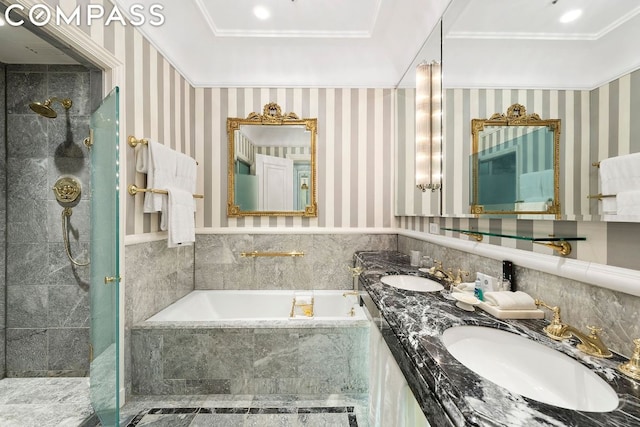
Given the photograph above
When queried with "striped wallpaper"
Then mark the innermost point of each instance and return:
(354, 153)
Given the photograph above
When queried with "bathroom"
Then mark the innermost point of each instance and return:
(365, 192)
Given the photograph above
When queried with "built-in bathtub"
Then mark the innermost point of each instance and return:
(245, 342)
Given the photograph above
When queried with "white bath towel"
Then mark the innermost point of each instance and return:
(180, 217)
(507, 300)
(186, 173)
(161, 171)
(142, 158)
(617, 174)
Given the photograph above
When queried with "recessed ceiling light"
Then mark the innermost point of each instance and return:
(261, 12)
(570, 16)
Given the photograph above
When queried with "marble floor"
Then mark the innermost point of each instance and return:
(64, 402)
(44, 402)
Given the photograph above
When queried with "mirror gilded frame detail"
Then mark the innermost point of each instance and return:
(271, 116)
(516, 116)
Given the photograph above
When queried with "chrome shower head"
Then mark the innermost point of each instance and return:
(45, 110)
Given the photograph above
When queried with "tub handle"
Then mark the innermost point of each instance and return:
(255, 254)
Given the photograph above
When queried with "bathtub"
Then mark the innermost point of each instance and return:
(259, 306)
(244, 342)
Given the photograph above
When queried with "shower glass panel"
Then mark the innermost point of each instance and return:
(104, 261)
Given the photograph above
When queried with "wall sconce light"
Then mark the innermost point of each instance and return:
(429, 126)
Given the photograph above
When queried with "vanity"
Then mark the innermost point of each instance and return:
(450, 394)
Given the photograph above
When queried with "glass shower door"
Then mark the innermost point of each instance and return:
(105, 274)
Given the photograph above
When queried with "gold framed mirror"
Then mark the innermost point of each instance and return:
(272, 164)
(515, 165)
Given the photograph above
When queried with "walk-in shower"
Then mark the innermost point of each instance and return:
(45, 109)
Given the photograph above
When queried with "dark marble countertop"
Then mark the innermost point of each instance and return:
(449, 393)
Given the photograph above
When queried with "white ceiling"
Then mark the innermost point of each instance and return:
(378, 43)
(305, 43)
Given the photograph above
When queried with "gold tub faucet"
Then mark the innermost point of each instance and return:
(590, 344)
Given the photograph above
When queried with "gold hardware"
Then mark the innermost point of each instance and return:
(555, 329)
(352, 312)
(111, 279)
(600, 196)
(595, 164)
(562, 247)
(351, 293)
(67, 189)
(88, 141)
(307, 309)
(255, 254)
(458, 278)
(134, 189)
(476, 236)
(590, 344)
(632, 367)
(355, 271)
(133, 141)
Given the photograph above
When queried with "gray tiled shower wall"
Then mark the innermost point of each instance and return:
(47, 313)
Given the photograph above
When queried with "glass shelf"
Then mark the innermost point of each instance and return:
(559, 244)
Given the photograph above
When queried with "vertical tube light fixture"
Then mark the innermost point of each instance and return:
(429, 126)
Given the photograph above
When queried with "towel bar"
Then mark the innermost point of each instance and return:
(133, 190)
(595, 164)
(133, 142)
(600, 196)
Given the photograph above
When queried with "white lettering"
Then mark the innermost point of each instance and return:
(11, 21)
(115, 15)
(160, 16)
(135, 11)
(94, 11)
(61, 17)
(39, 15)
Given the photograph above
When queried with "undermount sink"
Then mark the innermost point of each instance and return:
(412, 283)
(530, 369)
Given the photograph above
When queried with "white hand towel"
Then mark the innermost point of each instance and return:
(180, 217)
(186, 174)
(507, 300)
(142, 158)
(160, 175)
(628, 207)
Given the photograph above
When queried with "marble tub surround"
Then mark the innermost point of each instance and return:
(218, 264)
(582, 304)
(190, 358)
(461, 397)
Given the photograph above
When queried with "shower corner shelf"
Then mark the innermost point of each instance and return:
(557, 243)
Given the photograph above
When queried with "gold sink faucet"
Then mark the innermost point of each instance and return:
(439, 272)
(590, 344)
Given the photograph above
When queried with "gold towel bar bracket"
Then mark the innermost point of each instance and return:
(134, 189)
(255, 254)
(595, 164)
(133, 141)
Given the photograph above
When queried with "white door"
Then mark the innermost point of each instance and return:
(275, 183)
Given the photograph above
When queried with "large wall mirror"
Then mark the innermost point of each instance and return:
(515, 165)
(272, 164)
(585, 72)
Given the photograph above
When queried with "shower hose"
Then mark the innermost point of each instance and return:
(66, 213)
